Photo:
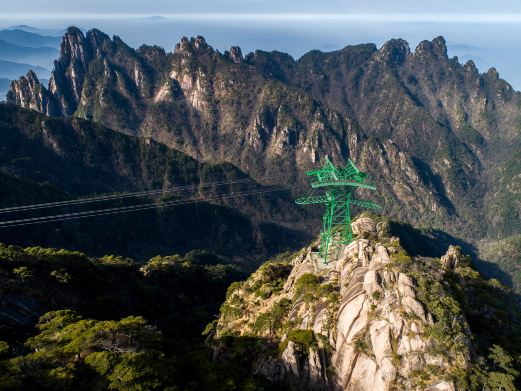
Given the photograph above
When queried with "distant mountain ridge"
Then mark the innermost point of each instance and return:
(23, 48)
(29, 39)
(12, 70)
(55, 32)
(440, 139)
(38, 56)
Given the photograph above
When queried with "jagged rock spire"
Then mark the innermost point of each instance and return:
(28, 92)
(437, 47)
(394, 51)
(186, 47)
(236, 54)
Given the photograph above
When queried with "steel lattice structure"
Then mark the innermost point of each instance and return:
(339, 185)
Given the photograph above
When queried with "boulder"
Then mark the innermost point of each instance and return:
(363, 224)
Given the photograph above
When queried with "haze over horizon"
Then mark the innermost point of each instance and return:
(482, 31)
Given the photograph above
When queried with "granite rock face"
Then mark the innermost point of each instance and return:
(357, 323)
(28, 92)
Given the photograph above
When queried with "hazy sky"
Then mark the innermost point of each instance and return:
(486, 31)
(158, 7)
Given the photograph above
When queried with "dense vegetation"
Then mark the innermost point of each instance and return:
(109, 322)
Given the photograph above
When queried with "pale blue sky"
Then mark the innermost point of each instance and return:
(54, 7)
(485, 31)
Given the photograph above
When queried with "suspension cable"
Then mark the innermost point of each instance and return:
(122, 195)
(124, 209)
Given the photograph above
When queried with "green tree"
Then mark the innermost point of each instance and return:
(4, 348)
(502, 359)
(504, 374)
(307, 285)
(123, 355)
(23, 272)
(272, 320)
(140, 371)
(61, 276)
(501, 381)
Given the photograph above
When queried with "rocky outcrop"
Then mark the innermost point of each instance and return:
(28, 92)
(236, 54)
(66, 82)
(360, 322)
(454, 258)
(394, 52)
(89, 66)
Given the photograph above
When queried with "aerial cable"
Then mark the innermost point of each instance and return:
(122, 208)
(100, 212)
(109, 211)
(115, 196)
(123, 195)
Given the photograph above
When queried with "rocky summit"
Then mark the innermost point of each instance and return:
(373, 318)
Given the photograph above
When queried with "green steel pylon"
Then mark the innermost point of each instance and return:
(339, 184)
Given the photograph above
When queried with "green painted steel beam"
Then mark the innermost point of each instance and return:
(311, 200)
(315, 185)
(366, 204)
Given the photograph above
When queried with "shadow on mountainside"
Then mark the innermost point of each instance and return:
(480, 297)
(433, 242)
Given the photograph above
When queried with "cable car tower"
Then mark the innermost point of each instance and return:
(339, 184)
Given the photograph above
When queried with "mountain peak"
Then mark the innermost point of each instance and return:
(470, 66)
(28, 92)
(394, 51)
(188, 46)
(32, 76)
(72, 45)
(236, 54)
(436, 47)
(366, 308)
(440, 45)
(74, 31)
(97, 38)
(493, 73)
(199, 42)
(83, 46)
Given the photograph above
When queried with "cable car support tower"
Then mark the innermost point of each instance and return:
(339, 185)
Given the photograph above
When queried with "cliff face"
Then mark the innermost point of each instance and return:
(371, 319)
(28, 92)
